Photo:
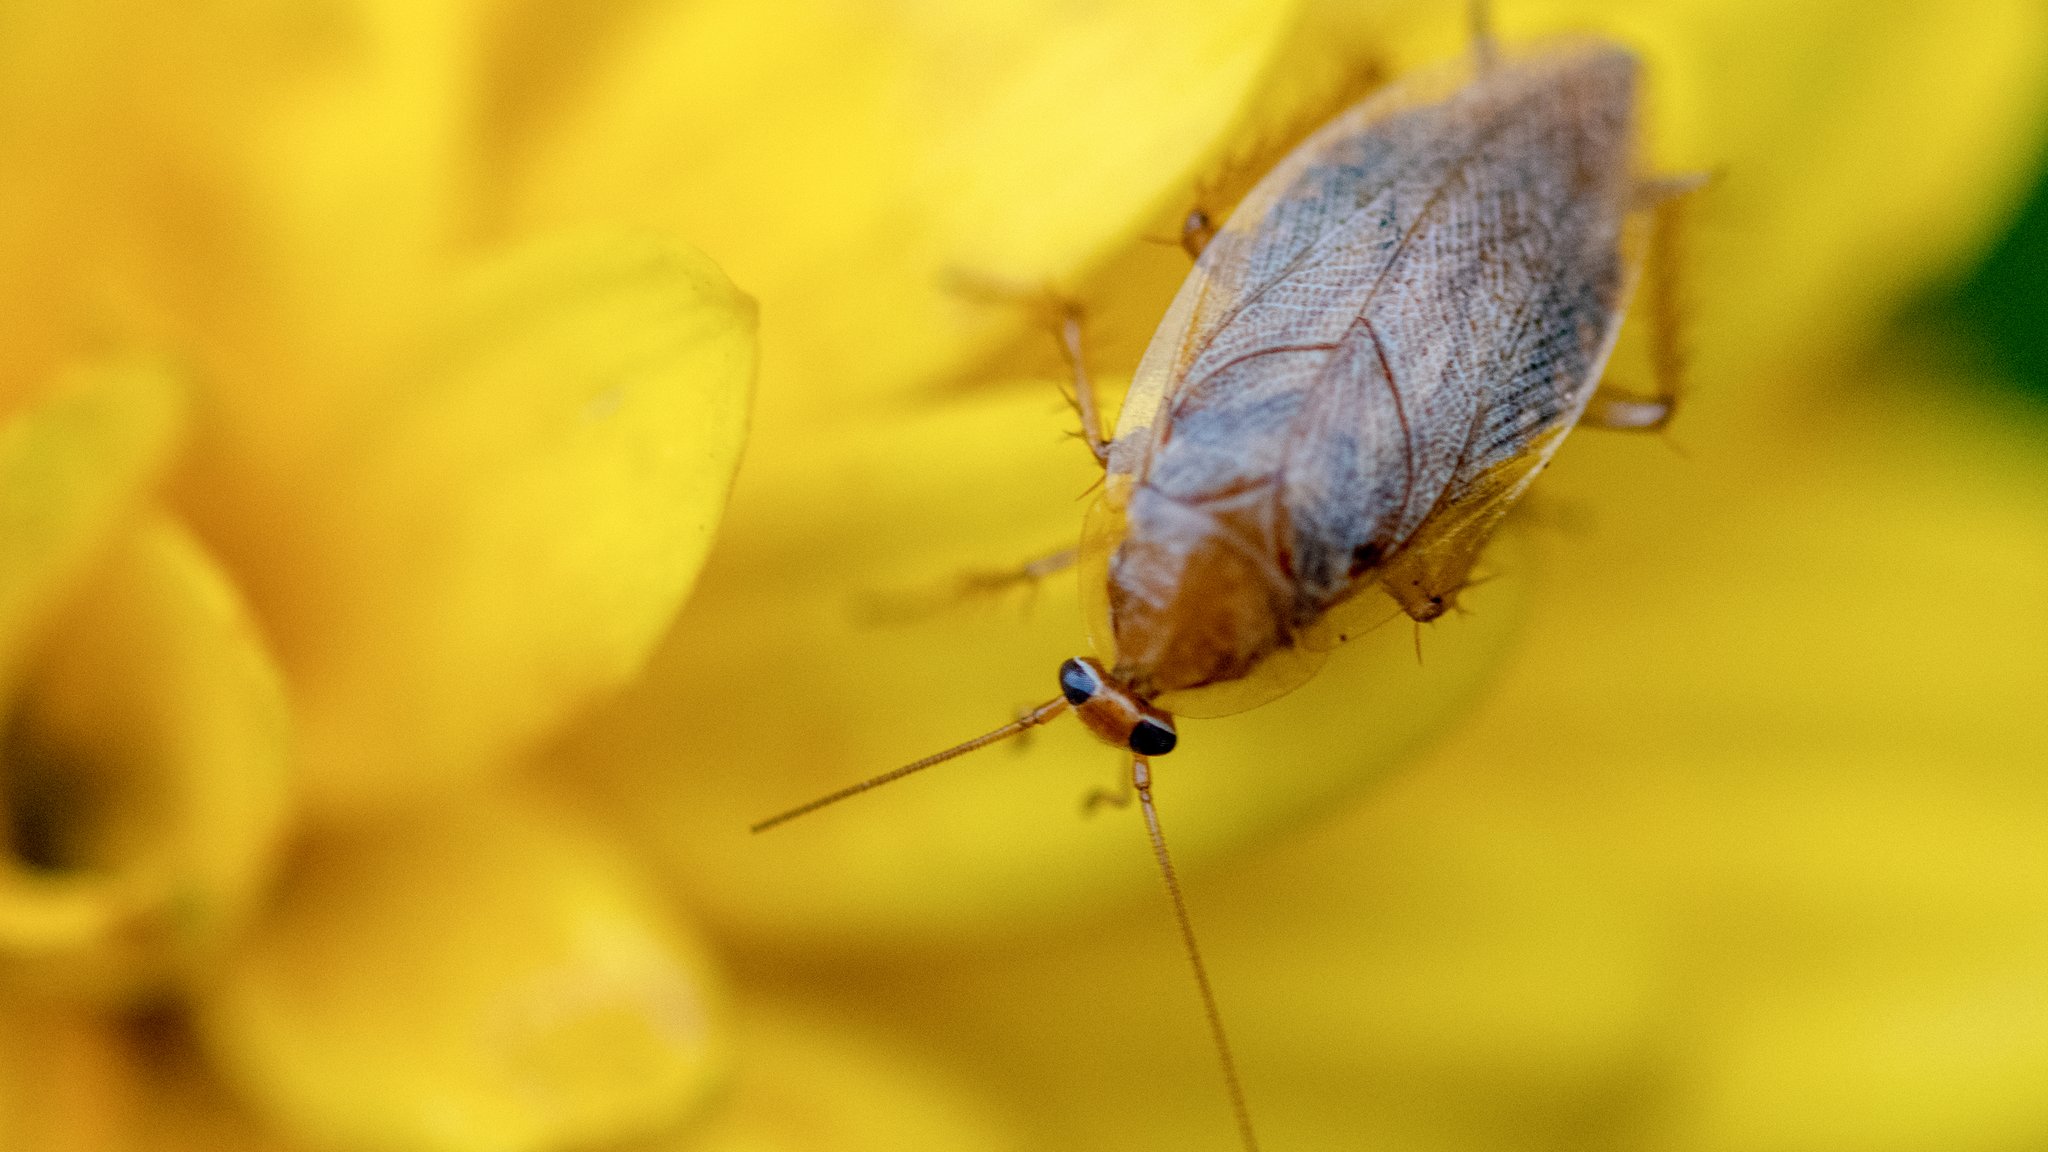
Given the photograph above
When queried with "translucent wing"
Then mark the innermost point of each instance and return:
(1384, 344)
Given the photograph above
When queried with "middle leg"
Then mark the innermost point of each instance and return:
(1619, 410)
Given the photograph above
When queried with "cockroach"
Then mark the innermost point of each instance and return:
(1367, 366)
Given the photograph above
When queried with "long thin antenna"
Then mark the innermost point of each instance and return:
(1031, 719)
(1141, 777)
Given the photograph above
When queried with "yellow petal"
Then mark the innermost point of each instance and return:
(72, 468)
(77, 1080)
(1438, 969)
(268, 188)
(49, 224)
(839, 161)
(1825, 755)
(146, 785)
(801, 1085)
(508, 546)
(64, 1079)
(180, 1103)
(481, 978)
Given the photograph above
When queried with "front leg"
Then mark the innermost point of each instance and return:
(903, 607)
(1086, 402)
(1062, 314)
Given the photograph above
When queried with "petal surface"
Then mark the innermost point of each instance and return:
(841, 160)
(489, 977)
(511, 542)
(72, 468)
(146, 780)
(801, 1083)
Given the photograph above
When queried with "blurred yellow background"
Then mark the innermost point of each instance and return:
(448, 453)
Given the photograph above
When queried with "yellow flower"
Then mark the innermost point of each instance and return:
(433, 497)
(346, 589)
(145, 785)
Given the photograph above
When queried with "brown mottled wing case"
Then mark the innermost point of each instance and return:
(1418, 298)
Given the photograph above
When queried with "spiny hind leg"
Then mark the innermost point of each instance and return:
(1426, 574)
(1618, 409)
(1427, 592)
(1062, 315)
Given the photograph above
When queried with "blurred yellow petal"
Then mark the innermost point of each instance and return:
(839, 160)
(180, 1103)
(480, 978)
(1825, 772)
(75, 1080)
(266, 187)
(64, 1085)
(145, 783)
(801, 1086)
(48, 222)
(72, 468)
(295, 200)
(1440, 970)
(507, 546)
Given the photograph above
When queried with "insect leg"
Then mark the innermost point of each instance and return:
(1427, 573)
(1027, 574)
(1612, 410)
(1197, 228)
(904, 607)
(1063, 315)
(1615, 409)
(1654, 191)
(1141, 780)
(1074, 348)
(1118, 797)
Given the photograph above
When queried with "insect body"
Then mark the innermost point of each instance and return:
(1368, 365)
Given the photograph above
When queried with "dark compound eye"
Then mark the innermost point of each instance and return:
(1078, 683)
(1151, 738)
